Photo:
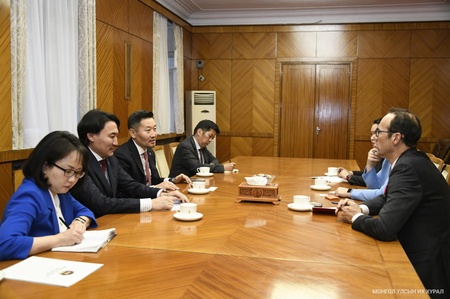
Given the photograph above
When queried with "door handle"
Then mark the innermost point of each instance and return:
(317, 130)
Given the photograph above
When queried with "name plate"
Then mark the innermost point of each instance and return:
(267, 193)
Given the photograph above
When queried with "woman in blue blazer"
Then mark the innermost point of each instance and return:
(41, 214)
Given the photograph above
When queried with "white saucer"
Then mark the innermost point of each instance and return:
(198, 191)
(327, 174)
(205, 174)
(2, 274)
(320, 188)
(193, 217)
(306, 208)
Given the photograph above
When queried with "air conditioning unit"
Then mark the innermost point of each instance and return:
(200, 105)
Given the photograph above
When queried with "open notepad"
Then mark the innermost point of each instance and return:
(92, 242)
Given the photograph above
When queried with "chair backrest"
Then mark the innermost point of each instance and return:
(173, 148)
(161, 161)
(437, 161)
(441, 148)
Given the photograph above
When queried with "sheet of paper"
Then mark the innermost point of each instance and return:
(93, 241)
(50, 271)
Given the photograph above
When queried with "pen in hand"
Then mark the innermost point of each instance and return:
(63, 222)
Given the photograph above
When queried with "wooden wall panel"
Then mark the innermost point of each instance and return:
(211, 46)
(384, 44)
(336, 44)
(263, 147)
(223, 144)
(140, 20)
(430, 43)
(252, 98)
(430, 95)
(254, 45)
(241, 146)
(296, 44)
(382, 84)
(6, 185)
(113, 12)
(105, 66)
(217, 75)
(142, 75)
(5, 78)
(361, 151)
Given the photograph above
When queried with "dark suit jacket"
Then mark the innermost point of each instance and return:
(185, 159)
(121, 195)
(416, 211)
(130, 160)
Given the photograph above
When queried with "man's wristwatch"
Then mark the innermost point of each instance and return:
(349, 190)
(349, 175)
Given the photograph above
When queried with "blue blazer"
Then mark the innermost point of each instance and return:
(30, 213)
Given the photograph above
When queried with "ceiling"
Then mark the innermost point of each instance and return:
(270, 12)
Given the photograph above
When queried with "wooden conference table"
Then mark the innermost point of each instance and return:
(239, 250)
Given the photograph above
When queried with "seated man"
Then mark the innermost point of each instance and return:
(192, 153)
(131, 155)
(108, 188)
(416, 206)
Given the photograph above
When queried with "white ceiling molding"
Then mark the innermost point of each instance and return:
(289, 12)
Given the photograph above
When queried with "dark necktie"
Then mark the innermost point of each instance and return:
(200, 153)
(148, 177)
(103, 165)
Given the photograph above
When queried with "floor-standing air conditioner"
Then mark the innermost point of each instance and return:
(200, 104)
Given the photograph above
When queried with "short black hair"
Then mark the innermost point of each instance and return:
(207, 125)
(135, 118)
(377, 121)
(406, 123)
(93, 122)
(53, 147)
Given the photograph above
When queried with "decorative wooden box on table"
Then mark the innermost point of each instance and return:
(267, 193)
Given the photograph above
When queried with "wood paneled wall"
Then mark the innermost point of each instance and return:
(404, 65)
(393, 65)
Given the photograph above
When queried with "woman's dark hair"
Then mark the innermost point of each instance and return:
(53, 147)
(93, 122)
(407, 124)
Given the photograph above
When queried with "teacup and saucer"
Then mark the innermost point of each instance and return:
(301, 203)
(187, 212)
(320, 184)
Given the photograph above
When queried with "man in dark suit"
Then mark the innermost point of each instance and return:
(415, 208)
(132, 154)
(108, 188)
(192, 153)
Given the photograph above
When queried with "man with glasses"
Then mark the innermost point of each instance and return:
(192, 153)
(416, 206)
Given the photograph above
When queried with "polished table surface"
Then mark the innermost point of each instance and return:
(239, 250)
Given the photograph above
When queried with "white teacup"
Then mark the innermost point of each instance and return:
(320, 182)
(204, 170)
(301, 200)
(332, 170)
(188, 208)
(198, 185)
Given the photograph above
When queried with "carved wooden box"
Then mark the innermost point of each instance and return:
(267, 193)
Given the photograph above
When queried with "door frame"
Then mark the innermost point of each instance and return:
(352, 62)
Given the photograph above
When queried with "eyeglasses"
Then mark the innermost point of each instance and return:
(378, 131)
(70, 173)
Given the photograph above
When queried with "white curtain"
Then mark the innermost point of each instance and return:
(179, 82)
(168, 89)
(56, 83)
(161, 87)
